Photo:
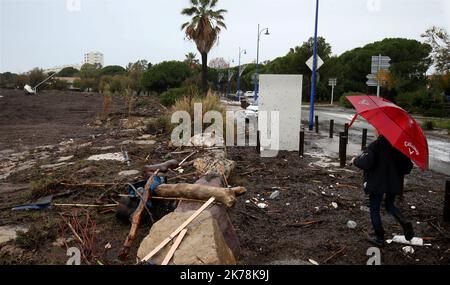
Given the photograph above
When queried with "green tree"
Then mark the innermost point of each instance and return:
(191, 60)
(112, 70)
(204, 28)
(8, 80)
(89, 77)
(68, 72)
(165, 75)
(135, 72)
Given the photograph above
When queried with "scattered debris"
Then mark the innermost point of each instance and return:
(274, 195)
(108, 246)
(129, 173)
(365, 209)
(352, 225)
(334, 205)
(313, 262)
(408, 250)
(42, 203)
(402, 240)
(262, 205)
(118, 156)
(65, 158)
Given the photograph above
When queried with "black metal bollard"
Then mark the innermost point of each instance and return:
(447, 202)
(364, 139)
(343, 140)
(301, 147)
(317, 124)
(331, 128)
(346, 127)
(258, 142)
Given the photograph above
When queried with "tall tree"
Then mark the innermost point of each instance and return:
(191, 60)
(439, 40)
(204, 28)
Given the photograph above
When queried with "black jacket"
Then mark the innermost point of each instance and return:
(384, 167)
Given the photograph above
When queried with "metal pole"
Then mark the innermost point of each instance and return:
(257, 68)
(317, 124)
(343, 140)
(332, 94)
(258, 142)
(239, 77)
(378, 75)
(364, 139)
(331, 128)
(313, 88)
(302, 144)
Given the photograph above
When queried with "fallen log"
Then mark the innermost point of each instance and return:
(137, 219)
(226, 196)
(162, 167)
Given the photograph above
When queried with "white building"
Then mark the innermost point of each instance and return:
(94, 58)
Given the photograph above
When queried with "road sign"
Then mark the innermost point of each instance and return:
(378, 63)
(372, 80)
(332, 82)
(310, 62)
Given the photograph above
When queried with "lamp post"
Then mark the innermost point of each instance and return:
(257, 60)
(314, 73)
(239, 73)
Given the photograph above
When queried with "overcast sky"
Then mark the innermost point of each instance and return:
(47, 33)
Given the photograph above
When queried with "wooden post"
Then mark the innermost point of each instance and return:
(258, 142)
(343, 140)
(364, 139)
(447, 202)
(317, 124)
(331, 128)
(346, 127)
(302, 144)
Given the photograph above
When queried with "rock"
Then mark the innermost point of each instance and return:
(262, 205)
(351, 225)
(8, 233)
(203, 244)
(408, 250)
(334, 205)
(117, 156)
(274, 195)
(65, 158)
(129, 173)
(365, 209)
(220, 214)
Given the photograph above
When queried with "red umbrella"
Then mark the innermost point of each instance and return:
(395, 124)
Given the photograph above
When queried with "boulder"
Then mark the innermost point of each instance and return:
(203, 244)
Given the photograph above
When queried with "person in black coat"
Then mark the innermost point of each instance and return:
(384, 170)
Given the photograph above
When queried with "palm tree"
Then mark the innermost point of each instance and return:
(191, 60)
(204, 28)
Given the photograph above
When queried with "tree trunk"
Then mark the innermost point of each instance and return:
(205, 73)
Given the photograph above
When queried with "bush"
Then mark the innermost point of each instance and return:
(170, 97)
(343, 100)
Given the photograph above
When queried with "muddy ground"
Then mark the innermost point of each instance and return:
(301, 224)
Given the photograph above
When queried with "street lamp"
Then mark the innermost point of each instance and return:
(239, 73)
(266, 30)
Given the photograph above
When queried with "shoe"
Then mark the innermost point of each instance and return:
(409, 231)
(376, 240)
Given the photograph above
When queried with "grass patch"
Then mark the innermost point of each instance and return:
(44, 186)
(35, 237)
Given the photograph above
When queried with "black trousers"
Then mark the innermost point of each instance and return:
(375, 206)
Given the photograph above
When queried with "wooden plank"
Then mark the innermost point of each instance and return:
(178, 230)
(174, 247)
